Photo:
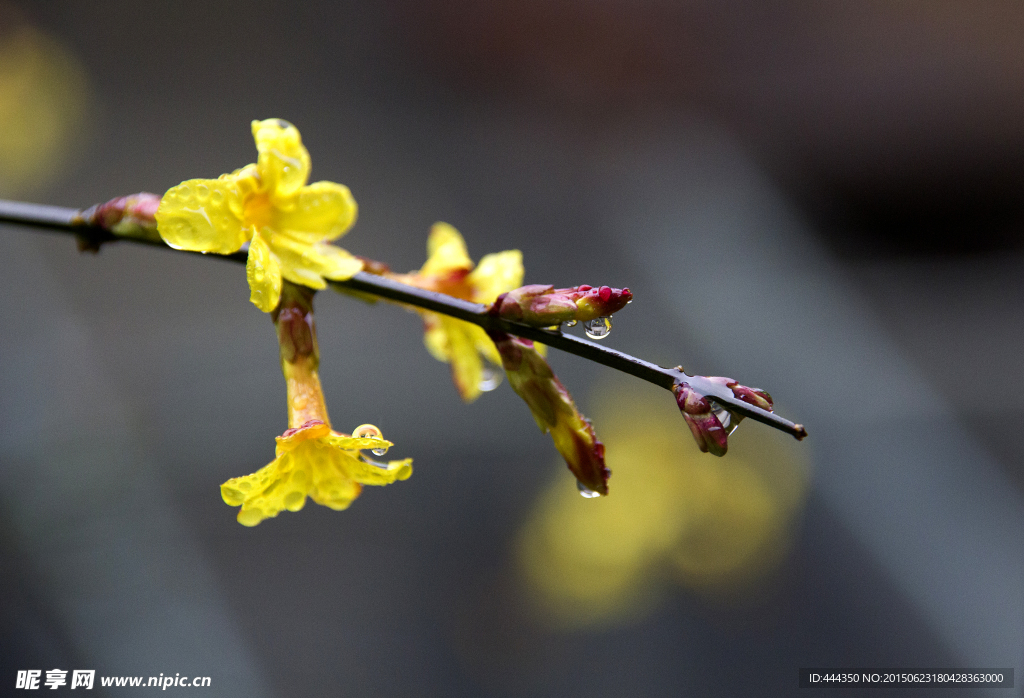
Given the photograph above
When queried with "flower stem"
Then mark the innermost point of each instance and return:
(69, 220)
(300, 355)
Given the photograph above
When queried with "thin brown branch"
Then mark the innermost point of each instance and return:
(69, 220)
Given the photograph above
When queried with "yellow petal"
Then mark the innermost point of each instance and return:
(321, 211)
(497, 273)
(202, 215)
(352, 443)
(331, 485)
(435, 337)
(383, 474)
(460, 344)
(446, 251)
(283, 161)
(314, 429)
(268, 491)
(264, 274)
(467, 366)
(307, 265)
(335, 263)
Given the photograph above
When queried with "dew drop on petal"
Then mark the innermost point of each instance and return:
(367, 431)
(586, 492)
(598, 328)
(490, 379)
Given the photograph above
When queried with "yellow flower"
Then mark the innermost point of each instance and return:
(449, 270)
(312, 460)
(286, 222)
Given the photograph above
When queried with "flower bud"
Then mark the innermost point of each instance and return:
(544, 305)
(126, 216)
(554, 410)
(295, 329)
(705, 417)
(597, 302)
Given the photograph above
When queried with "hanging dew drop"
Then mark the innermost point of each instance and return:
(570, 323)
(378, 451)
(586, 492)
(598, 328)
(490, 379)
(728, 419)
(382, 466)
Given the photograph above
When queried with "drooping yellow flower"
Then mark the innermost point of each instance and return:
(450, 270)
(286, 222)
(312, 459)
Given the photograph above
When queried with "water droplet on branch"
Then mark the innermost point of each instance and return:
(598, 328)
(728, 420)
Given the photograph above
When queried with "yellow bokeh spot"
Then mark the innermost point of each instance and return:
(673, 516)
(43, 104)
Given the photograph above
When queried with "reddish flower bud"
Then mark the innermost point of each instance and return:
(541, 305)
(554, 411)
(295, 329)
(125, 216)
(711, 423)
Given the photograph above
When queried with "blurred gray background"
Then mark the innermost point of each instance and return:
(824, 200)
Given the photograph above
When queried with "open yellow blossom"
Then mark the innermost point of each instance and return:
(312, 460)
(268, 205)
(450, 270)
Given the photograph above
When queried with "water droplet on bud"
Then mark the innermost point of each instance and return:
(586, 492)
(598, 328)
(729, 420)
(490, 379)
